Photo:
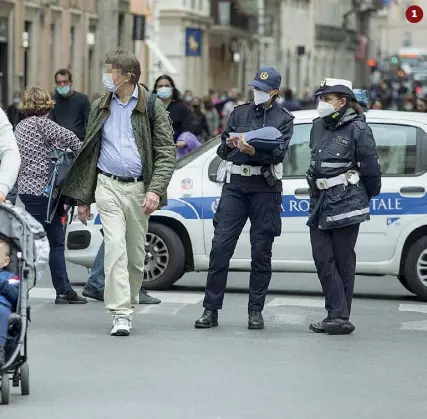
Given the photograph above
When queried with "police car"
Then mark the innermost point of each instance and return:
(394, 242)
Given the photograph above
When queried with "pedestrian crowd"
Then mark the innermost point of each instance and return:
(124, 145)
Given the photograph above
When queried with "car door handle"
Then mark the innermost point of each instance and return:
(412, 190)
(302, 191)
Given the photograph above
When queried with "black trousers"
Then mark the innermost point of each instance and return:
(37, 207)
(235, 207)
(335, 260)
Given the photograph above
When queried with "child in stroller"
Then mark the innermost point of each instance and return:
(24, 254)
(9, 292)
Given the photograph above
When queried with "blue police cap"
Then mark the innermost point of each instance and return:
(335, 86)
(266, 79)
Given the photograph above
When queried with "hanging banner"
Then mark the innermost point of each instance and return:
(193, 42)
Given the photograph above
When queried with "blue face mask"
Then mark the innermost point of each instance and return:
(63, 90)
(164, 92)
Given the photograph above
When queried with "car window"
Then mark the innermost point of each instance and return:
(298, 157)
(396, 147)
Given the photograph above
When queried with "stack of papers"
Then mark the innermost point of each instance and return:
(263, 139)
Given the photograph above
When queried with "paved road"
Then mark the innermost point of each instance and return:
(168, 370)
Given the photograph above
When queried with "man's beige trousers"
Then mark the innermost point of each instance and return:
(125, 228)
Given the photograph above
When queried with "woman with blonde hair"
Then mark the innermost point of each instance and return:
(37, 136)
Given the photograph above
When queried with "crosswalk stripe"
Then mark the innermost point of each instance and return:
(170, 309)
(416, 325)
(313, 302)
(283, 316)
(418, 308)
(167, 297)
(42, 293)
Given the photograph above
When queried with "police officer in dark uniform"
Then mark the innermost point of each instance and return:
(344, 175)
(252, 189)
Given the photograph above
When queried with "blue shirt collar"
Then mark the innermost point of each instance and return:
(134, 95)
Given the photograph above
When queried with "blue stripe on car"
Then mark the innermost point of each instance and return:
(385, 204)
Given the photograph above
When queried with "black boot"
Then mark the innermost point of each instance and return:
(339, 327)
(208, 319)
(2, 356)
(319, 327)
(255, 320)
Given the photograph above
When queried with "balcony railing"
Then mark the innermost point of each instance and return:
(234, 13)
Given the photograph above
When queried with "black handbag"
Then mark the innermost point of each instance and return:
(60, 164)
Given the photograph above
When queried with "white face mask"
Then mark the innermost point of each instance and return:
(261, 97)
(325, 109)
(109, 85)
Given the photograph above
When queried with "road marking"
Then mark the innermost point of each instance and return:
(165, 309)
(42, 293)
(178, 297)
(166, 297)
(418, 308)
(171, 303)
(282, 316)
(315, 302)
(417, 325)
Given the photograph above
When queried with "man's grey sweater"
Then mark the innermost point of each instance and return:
(10, 160)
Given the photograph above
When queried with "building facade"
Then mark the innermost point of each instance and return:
(40, 36)
(314, 42)
(202, 44)
(233, 45)
(396, 32)
(180, 42)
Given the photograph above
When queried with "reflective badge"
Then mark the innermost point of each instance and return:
(214, 205)
(222, 171)
(263, 75)
(342, 141)
(323, 82)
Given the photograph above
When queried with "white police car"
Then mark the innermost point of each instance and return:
(394, 242)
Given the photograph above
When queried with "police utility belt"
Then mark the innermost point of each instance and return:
(351, 177)
(270, 173)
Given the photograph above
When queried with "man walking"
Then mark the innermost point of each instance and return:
(71, 108)
(94, 287)
(125, 168)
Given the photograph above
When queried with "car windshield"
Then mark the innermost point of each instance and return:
(198, 152)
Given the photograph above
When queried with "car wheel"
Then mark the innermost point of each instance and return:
(404, 282)
(416, 268)
(165, 257)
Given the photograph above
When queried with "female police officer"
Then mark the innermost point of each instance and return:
(252, 190)
(344, 175)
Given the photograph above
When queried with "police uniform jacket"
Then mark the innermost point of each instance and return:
(249, 117)
(347, 144)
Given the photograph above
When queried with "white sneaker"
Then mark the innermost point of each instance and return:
(121, 326)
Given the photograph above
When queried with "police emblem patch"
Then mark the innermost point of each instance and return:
(342, 141)
(214, 205)
(186, 184)
(263, 75)
(322, 82)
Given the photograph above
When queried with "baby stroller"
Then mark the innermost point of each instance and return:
(29, 257)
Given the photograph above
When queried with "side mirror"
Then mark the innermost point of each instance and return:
(212, 177)
(213, 169)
